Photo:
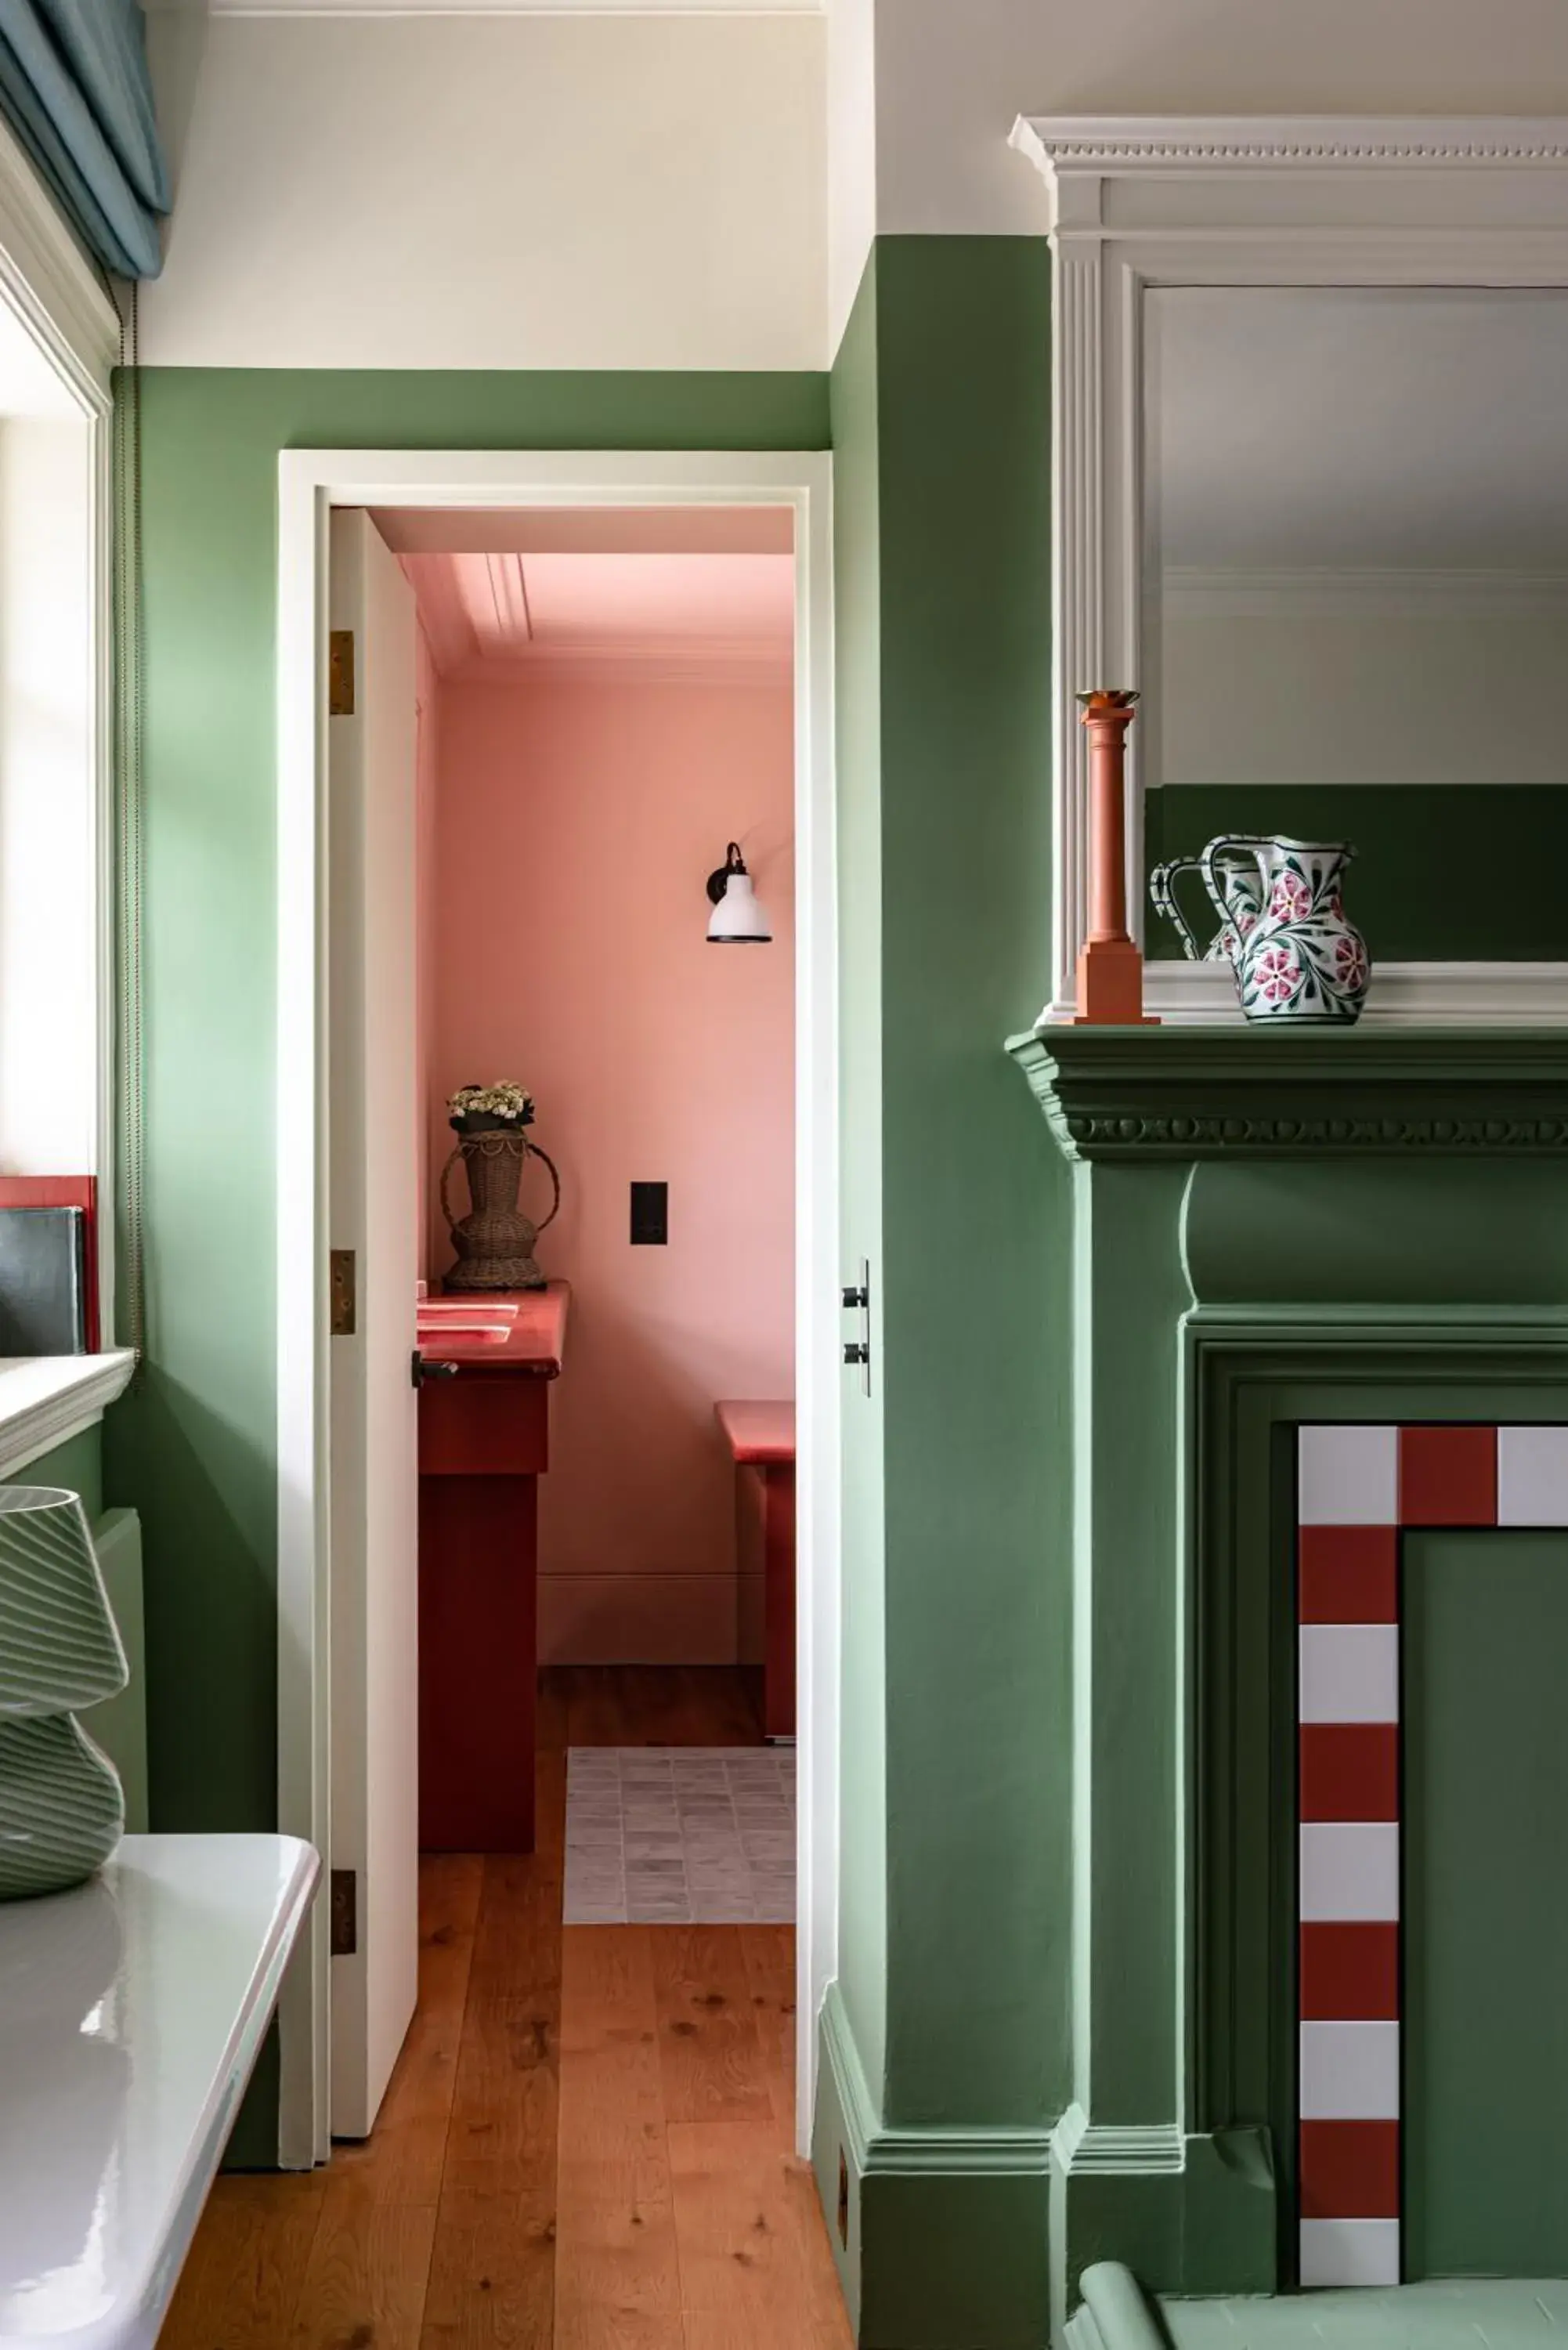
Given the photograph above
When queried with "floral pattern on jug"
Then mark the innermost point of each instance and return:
(1303, 959)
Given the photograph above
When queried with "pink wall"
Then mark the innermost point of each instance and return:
(576, 823)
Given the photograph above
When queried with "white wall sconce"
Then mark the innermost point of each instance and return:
(737, 919)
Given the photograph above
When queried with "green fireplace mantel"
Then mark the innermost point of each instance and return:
(1267, 1229)
(1169, 1093)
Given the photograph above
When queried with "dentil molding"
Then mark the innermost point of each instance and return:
(1182, 1094)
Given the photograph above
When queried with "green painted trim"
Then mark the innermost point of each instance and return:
(946, 2227)
(1250, 1380)
(1185, 1094)
(1210, 2221)
(881, 2151)
(1219, 1301)
(1145, 2149)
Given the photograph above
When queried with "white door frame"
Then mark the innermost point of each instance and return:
(310, 483)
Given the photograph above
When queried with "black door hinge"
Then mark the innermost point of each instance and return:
(345, 1913)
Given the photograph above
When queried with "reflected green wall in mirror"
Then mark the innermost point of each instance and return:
(1461, 872)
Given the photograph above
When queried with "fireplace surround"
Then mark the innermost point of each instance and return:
(1270, 1233)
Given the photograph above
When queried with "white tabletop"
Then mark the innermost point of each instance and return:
(130, 2014)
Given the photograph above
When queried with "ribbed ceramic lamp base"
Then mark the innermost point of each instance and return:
(61, 1809)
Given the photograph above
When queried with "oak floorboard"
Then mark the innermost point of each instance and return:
(407, 2149)
(747, 2273)
(552, 1711)
(768, 1953)
(709, 2051)
(242, 2281)
(656, 1705)
(491, 2272)
(370, 2264)
(585, 2143)
(617, 2276)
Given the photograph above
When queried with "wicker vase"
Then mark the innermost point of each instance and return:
(495, 1242)
(61, 1809)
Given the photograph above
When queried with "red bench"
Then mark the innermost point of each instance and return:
(760, 1437)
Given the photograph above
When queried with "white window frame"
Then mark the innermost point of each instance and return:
(1140, 202)
(56, 296)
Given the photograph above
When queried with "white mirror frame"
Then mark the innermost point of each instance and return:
(1277, 201)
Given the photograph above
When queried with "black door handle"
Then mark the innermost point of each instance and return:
(422, 1370)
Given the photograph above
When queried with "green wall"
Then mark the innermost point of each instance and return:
(971, 1284)
(194, 1450)
(954, 1918)
(78, 1465)
(1485, 1629)
(1445, 873)
(947, 2042)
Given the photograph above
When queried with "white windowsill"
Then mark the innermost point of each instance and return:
(46, 1399)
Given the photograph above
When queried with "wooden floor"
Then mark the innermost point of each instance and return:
(587, 2142)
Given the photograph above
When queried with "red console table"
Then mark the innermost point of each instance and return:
(483, 1446)
(762, 1439)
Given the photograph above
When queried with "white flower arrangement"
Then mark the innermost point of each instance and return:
(504, 1099)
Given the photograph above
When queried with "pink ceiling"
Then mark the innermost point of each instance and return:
(512, 612)
(585, 530)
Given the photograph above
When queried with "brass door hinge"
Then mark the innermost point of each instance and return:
(345, 1913)
(341, 1314)
(341, 673)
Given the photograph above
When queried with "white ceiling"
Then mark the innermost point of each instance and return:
(492, 7)
(1393, 430)
(506, 616)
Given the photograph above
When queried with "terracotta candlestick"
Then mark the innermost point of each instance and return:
(1110, 968)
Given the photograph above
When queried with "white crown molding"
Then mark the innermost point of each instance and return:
(1227, 592)
(509, 593)
(494, 593)
(1292, 142)
(49, 280)
(1138, 202)
(323, 8)
(1402, 995)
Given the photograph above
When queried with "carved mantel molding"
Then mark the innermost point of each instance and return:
(1146, 1095)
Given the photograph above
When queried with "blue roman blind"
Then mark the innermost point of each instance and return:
(74, 87)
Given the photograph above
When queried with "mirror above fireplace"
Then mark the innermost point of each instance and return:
(1354, 596)
(1310, 442)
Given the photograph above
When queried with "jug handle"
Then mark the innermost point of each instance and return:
(1209, 857)
(1162, 892)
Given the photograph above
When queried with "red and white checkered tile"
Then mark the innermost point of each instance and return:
(1357, 1489)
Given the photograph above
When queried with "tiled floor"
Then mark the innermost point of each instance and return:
(677, 1835)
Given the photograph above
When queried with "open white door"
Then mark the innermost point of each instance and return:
(373, 1143)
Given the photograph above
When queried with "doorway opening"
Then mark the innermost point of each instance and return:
(618, 668)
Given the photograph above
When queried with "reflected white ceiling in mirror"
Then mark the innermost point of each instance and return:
(1360, 429)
